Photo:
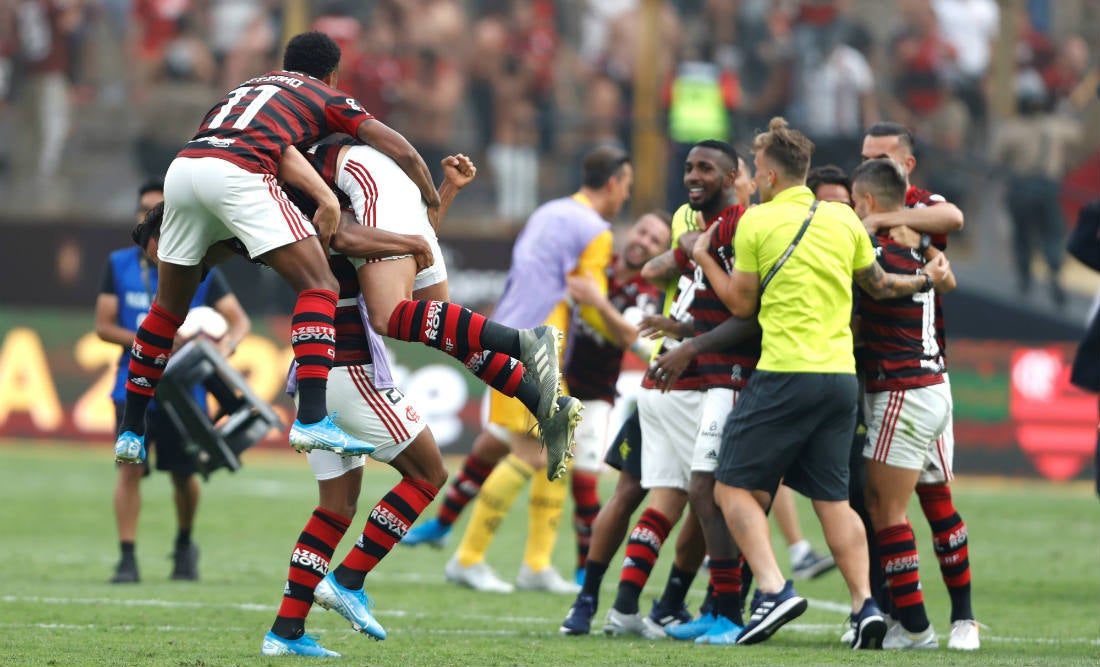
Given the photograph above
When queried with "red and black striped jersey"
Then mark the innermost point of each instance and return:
(352, 348)
(900, 350)
(729, 368)
(593, 363)
(258, 120)
(917, 198)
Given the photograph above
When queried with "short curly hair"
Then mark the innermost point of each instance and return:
(312, 53)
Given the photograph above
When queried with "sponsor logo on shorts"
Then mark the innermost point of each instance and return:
(309, 559)
(384, 517)
(411, 414)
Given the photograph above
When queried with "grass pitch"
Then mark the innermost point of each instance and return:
(1034, 551)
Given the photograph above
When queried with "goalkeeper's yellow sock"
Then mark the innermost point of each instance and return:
(543, 517)
(497, 495)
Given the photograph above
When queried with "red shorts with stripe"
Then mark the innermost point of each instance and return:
(208, 199)
(383, 417)
(906, 429)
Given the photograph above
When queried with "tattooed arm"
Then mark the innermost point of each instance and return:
(662, 270)
(882, 285)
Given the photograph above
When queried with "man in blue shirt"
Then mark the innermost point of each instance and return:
(125, 295)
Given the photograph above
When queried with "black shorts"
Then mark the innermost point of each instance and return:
(625, 452)
(161, 437)
(792, 426)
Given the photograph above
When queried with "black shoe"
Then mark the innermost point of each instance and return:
(126, 572)
(186, 563)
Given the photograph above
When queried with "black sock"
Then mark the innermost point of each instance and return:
(593, 577)
(289, 628)
(679, 582)
(626, 599)
(183, 538)
(311, 400)
(127, 550)
(527, 391)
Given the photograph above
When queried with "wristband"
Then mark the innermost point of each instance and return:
(925, 242)
(928, 284)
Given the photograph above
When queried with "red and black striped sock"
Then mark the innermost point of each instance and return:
(308, 565)
(464, 488)
(505, 374)
(725, 577)
(389, 521)
(949, 537)
(148, 357)
(586, 505)
(452, 328)
(642, 548)
(313, 337)
(900, 562)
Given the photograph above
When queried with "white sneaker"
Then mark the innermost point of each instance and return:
(897, 637)
(964, 635)
(618, 624)
(478, 576)
(546, 579)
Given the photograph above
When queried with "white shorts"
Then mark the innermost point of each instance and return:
(591, 436)
(669, 424)
(208, 199)
(905, 429)
(382, 417)
(717, 405)
(945, 447)
(384, 197)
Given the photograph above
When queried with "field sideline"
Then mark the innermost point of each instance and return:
(1034, 548)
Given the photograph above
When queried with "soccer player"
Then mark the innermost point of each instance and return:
(125, 294)
(830, 183)
(903, 372)
(596, 351)
(375, 414)
(408, 305)
(223, 185)
(929, 213)
(795, 259)
(566, 236)
(681, 427)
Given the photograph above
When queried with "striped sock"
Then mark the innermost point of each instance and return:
(900, 562)
(950, 539)
(313, 338)
(308, 565)
(642, 548)
(465, 487)
(586, 505)
(389, 521)
(148, 357)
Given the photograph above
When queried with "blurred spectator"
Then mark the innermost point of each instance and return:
(768, 68)
(180, 90)
(1033, 148)
(620, 54)
(374, 72)
(970, 27)
(153, 26)
(1069, 68)
(428, 97)
(833, 97)
(42, 89)
(699, 97)
(244, 35)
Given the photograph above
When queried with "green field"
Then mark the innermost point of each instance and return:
(1034, 550)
